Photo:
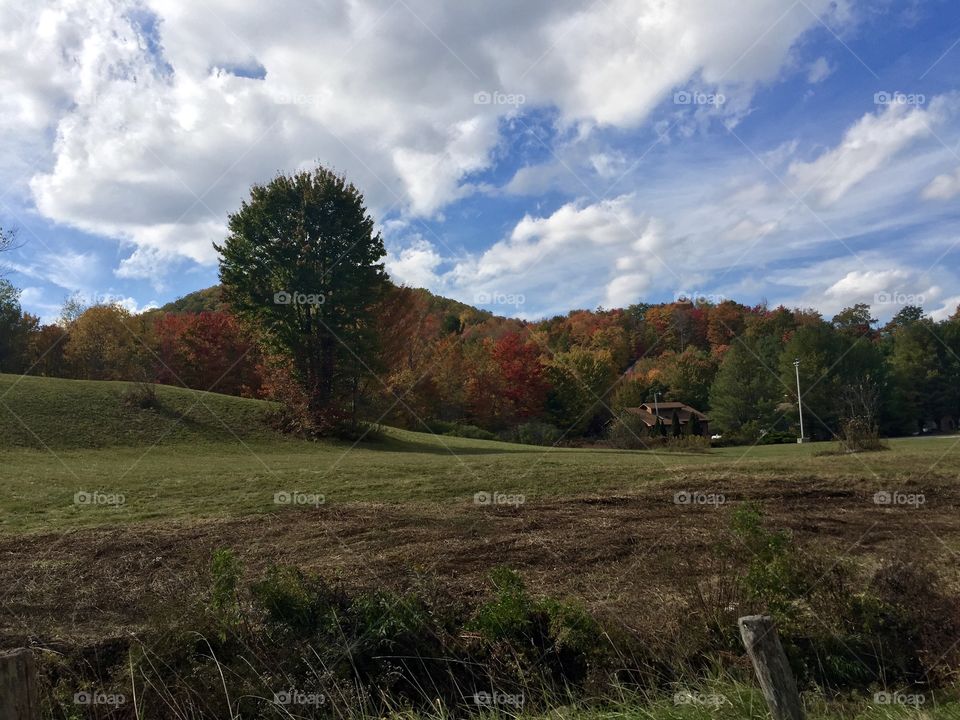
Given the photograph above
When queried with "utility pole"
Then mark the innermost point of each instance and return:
(796, 367)
(656, 411)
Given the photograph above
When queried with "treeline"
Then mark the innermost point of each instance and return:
(448, 367)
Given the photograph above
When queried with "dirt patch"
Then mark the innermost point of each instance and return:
(617, 554)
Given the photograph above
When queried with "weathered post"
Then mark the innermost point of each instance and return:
(18, 686)
(770, 663)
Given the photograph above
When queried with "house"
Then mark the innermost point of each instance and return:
(667, 411)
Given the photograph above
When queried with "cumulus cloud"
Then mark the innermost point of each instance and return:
(948, 308)
(164, 112)
(544, 259)
(882, 281)
(943, 187)
(415, 265)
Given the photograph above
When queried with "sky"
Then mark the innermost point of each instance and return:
(526, 157)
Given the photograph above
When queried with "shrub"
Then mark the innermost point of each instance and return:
(858, 435)
(295, 601)
(534, 433)
(548, 638)
(777, 437)
(839, 627)
(142, 395)
(629, 432)
(224, 601)
(472, 431)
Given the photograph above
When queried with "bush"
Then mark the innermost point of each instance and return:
(528, 638)
(858, 435)
(840, 627)
(471, 431)
(534, 433)
(629, 432)
(777, 437)
(142, 395)
(224, 601)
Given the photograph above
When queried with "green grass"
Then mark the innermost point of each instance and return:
(206, 456)
(59, 414)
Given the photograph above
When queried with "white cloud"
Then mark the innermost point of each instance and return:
(884, 282)
(612, 63)
(857, 285)
(156, 140)
(546, 259)
(70, 270)
(943, 187)
(948, 307)
(819, 70)
(866, 147)
(415, 265)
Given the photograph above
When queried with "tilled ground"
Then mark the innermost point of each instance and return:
(616, 554)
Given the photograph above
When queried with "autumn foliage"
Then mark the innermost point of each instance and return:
(442, 364)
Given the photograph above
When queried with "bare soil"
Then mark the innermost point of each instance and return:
(616, 554)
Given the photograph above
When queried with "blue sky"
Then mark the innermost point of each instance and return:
(528, 159)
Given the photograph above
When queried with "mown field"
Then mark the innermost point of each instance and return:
(205, 456)
(624, 533)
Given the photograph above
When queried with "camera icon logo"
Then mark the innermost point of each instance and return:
(282, 298)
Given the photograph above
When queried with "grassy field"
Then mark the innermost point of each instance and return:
(202, 456)
(160, 489)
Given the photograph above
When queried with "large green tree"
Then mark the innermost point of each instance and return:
(303, 263)
(746, 390)
(15, 329)
(921, 365)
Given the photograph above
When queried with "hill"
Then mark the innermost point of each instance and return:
(211, 300)
(61, 414)
(207, 300)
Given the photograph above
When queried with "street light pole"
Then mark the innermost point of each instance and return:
(796, 367)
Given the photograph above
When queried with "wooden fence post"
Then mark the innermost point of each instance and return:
(18, 686)
(770, 663)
